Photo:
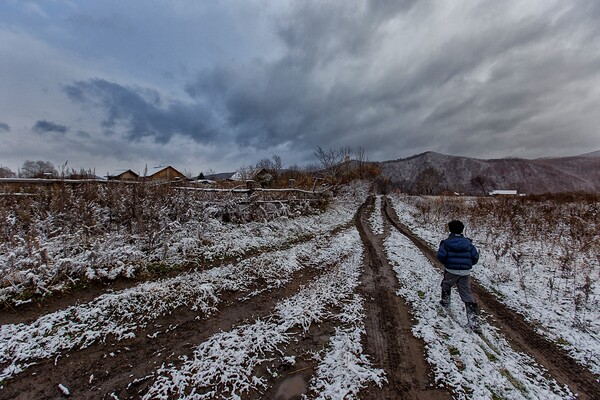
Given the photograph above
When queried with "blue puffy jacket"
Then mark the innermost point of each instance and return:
(457, 252)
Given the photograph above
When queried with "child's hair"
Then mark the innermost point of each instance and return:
(456, 226)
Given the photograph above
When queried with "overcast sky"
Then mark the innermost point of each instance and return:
(215, 85)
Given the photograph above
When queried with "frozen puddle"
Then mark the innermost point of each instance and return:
(474, 366)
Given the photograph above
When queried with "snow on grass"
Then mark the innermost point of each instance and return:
(344, 370)
(48, 259)
(376, 219)
(518, 271)
(474, 366)
(122, 313)
(223, 365)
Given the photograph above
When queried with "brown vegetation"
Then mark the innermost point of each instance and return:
(564, 226)
(87, 220)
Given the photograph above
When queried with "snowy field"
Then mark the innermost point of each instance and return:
(264, 257)
(224, 364)
(540, 267)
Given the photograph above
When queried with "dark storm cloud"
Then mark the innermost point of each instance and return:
(497, 77)
(4, 127)
(142, 112)
(46, 127)
(391, 76)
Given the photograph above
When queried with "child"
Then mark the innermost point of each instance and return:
(458, 255)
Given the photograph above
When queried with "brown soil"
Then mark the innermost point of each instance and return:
(520, 333)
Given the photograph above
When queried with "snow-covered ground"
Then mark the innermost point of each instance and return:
(525, 271)
(376, 218)
(474, 366)
(121, 314)
(231, 363)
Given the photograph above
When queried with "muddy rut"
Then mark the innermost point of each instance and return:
(388, 324)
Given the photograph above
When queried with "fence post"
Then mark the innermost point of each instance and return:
(292, 183)
(250, 186)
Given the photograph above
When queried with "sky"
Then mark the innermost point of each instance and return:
(221, 84)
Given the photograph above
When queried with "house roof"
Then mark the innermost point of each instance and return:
(511, 191)
(220, 176)
(128, 172)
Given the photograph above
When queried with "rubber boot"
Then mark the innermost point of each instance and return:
(445, 301)
(473, 316)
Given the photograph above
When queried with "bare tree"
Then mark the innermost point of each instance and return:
(37, 169)
(6, 172)
(273, 165)
(482, 183)
(332, 161)
(429, 181)
(361, 160)
(245, 172)
(277, 163)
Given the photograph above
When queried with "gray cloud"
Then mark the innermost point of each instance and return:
(347, 78)
(395, 77)
(142, 112)
(46, 126)
(4, 127)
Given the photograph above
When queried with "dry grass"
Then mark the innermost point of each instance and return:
(558, 234)
(109, 230)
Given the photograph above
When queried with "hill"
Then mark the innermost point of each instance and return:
(432, 173)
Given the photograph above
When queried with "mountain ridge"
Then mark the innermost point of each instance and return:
(431, 173)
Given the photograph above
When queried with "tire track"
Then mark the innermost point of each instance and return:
(87, 291)
(389, 337)
(517, 330)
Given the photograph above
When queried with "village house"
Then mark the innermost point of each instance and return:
(167, 174)
(128, 175)
(221, 176)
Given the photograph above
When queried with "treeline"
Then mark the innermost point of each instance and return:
(332, 167)
(45, 169)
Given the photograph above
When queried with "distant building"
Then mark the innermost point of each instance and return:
(128, 175)
(222, 176)
(167, 174)
(503, 193)
(249, 173)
